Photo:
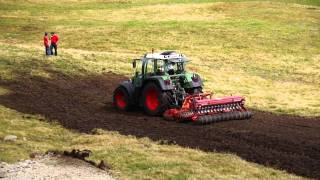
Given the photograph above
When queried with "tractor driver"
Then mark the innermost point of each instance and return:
(171, 68)
(160, 70)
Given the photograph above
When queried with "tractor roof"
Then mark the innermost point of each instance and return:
(172, 56)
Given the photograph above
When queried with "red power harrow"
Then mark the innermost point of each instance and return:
(203, 109)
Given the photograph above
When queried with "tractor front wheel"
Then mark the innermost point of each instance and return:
(154, 100)
(121, 99)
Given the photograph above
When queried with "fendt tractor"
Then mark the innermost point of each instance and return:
(162, 86)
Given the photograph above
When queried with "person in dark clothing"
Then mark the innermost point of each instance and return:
(54, 43)
(46, 44)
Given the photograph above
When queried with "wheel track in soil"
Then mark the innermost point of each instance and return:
(284, 142)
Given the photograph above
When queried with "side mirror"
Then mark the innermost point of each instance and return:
(134, 64)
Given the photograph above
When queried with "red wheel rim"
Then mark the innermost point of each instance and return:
(120, 99)
(152, 101)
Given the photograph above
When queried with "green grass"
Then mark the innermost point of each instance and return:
(268, 51)
(257, 49)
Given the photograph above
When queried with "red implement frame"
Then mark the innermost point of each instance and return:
(195, 106)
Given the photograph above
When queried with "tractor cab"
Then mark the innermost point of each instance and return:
(167, 69)
(159, 64)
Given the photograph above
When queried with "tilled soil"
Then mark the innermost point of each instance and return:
(284, 142)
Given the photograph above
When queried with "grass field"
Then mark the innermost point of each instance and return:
(268, 51)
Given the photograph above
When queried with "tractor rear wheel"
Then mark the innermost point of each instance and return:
(121, 99)
(154, 100)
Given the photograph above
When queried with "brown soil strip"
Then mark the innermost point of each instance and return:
(284, 142)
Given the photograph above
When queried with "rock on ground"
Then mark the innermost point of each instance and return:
(10, 138)
(52, 167)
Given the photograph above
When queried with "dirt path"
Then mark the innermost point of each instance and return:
(284, 142)
(52, 167)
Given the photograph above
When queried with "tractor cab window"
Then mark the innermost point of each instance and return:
(180, 67)
(160, 67)
(138, 64)
(136, 79)
(150, 67)
(175, 68)
(155, 67)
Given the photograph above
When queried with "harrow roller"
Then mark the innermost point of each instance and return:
(207, 119)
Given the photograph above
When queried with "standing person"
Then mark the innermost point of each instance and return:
(46, 44)
(54, 43)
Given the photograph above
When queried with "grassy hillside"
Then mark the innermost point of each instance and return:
(268, 51)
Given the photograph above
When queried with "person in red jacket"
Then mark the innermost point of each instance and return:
(54, 43)
(46, 44)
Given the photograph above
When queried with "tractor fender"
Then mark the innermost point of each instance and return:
(195, 84)
(130, 89)
(160, 82)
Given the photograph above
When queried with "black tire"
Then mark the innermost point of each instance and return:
(155, 101)
(121, 99)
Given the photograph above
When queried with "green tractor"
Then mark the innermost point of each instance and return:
(160, 82)
(162, 86)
